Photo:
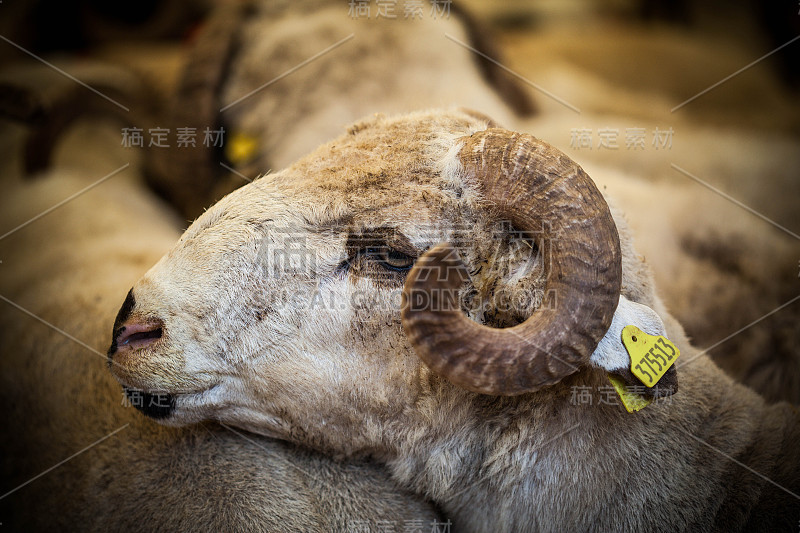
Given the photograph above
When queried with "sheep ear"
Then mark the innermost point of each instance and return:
(612, 356)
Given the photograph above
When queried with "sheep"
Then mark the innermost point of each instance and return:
(701, 268)
(67, 268)
(223, 85)
(250, 72)
(277, 312)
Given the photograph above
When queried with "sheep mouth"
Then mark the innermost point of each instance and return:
(156, 405)
(163, 406)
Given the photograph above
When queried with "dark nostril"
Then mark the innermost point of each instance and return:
(136, 335)
(142, 336)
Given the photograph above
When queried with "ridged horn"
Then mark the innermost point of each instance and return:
(542, 192)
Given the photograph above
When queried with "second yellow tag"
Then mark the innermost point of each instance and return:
(631, 400)
(241, 148)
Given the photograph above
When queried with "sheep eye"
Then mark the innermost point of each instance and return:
(390, 259)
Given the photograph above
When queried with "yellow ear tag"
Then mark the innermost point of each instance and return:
(651, 356)
(631, 400)
(241, 148)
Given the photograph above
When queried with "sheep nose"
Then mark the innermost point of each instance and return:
(131, 333)
(134, 335)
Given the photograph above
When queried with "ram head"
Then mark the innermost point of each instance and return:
(410, 262)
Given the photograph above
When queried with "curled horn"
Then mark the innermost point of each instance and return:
(533, 186)
(189, 178)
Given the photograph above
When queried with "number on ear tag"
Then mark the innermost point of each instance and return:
(651, 356)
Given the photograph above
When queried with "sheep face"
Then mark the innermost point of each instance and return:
(279, 308)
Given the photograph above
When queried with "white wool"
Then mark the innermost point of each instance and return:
(610, 353)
